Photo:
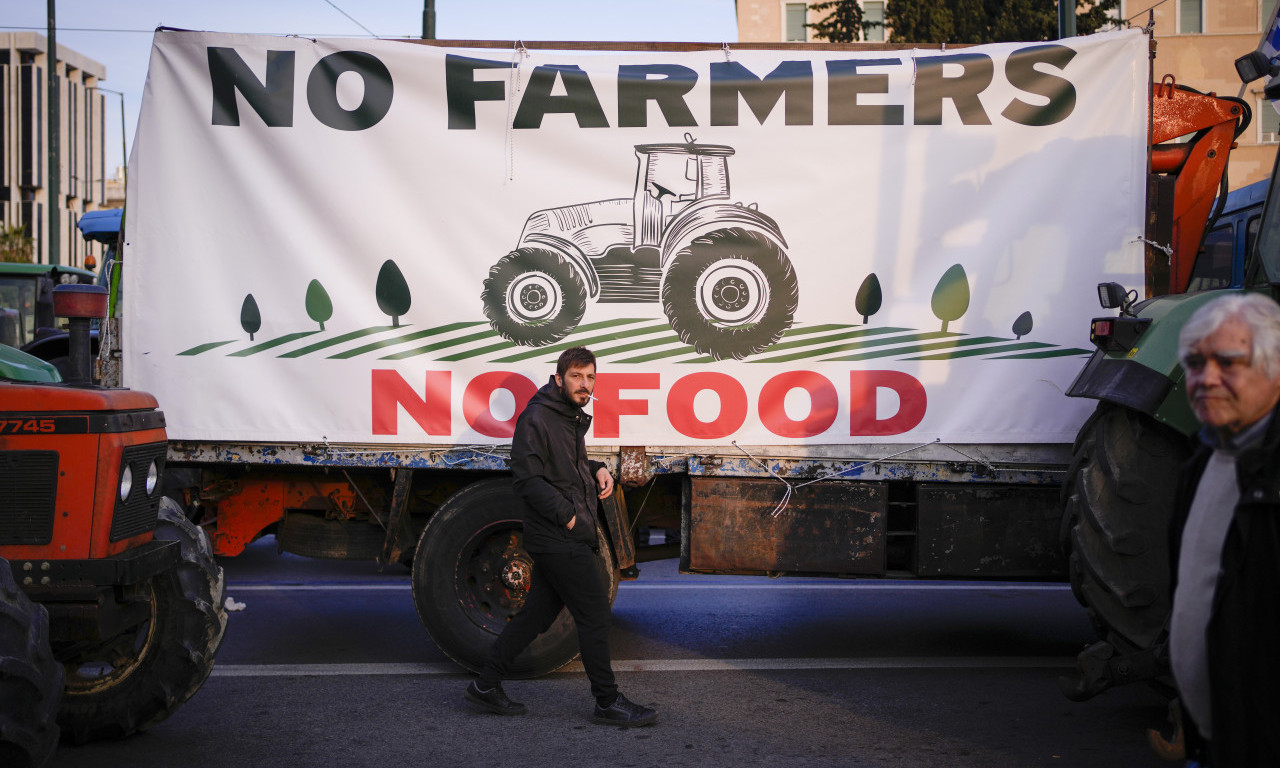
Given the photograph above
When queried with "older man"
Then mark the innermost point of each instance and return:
(1225, 626)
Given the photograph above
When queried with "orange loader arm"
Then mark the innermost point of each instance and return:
(1197, 168)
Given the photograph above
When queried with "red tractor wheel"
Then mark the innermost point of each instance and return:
(30, 679)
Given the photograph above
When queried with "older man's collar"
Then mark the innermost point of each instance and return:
(1245, 438)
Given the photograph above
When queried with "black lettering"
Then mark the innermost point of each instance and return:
(463, 91)
(322, 90)
(1022, 74)
(932, 87)
(579, 98)
(729, 79)
(273, 101)
(636, 90)
(844, 85)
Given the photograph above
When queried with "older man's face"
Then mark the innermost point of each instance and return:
(1226, 391)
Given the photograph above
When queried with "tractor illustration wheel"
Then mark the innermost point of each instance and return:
(730, 293)
(533, 297)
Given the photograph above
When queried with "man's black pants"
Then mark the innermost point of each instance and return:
(575, 580)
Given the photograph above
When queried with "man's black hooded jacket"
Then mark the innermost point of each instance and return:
(553, 476)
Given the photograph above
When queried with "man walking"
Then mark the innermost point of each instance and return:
(1225, 625)
(560, 489)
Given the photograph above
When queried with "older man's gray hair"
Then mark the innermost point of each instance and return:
(1258, 312)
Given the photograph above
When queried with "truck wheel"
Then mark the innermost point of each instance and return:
(471, 574)
(30, 679)
(730, 293)
(128, 683)
(533, 297)
(1118, 508)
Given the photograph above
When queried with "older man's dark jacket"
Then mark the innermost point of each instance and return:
(1244, 628)
(553, 477)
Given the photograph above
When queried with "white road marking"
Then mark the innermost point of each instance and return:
(628, 587)
(660, 665)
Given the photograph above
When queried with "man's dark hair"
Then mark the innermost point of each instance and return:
(574, 357)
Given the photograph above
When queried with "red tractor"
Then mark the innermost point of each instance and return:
(111, 602)
(719, 268)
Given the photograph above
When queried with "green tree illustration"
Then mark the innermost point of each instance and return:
(1023, 325)
(392, 292)
(951, 296)
(869, 297)
(319, 307)
(250, 317)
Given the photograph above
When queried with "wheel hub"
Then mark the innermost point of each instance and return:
(534, 297)
(516, 574)
(731, 294)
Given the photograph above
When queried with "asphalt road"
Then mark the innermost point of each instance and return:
(327, 665)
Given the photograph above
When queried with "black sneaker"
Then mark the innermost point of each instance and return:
(624, 713)
(493, 700)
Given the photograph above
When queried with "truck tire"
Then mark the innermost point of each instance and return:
(533, 297)
(1118, 506)
(730, 293)
(131, 682)
(30, 679)
(470, 576)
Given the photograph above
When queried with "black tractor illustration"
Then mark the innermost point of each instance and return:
(718, 267)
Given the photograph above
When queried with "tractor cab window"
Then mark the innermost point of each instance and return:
(1213, 265)
(672, 175)
(17, 310)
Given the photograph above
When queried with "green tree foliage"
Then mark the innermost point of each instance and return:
(250, 317)
(869, 297)
(319, 306)
(843, 24)
(951, 296)
(392, 292)
(1023, 325)
(15, 246)
(960, 21)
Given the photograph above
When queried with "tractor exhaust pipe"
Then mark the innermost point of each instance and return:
(80, 304)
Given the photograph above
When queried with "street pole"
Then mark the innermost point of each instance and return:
(124, 150)
(428, 19)
(55, 161)
(1066, 19)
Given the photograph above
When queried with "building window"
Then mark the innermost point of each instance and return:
(796, 32)
(1267, 120)
(1190, 17)
(873, 10)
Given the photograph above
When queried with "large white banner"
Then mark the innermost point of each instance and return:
(377, 241)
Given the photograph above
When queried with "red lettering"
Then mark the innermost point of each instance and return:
(824, 403)
(431, 411)
(610, 407)
(863, 385)
(475, 401)
(733, 405)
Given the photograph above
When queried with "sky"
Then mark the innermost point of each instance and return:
(118, 34)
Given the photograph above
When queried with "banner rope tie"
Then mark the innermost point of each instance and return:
(1167, 250)
(514, 82)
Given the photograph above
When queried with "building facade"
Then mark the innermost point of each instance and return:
(24, 139)
(1197, 41)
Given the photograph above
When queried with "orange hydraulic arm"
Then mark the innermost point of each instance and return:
(1198, 166)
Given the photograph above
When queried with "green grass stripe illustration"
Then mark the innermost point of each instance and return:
(661, 341)
(601, 339)
(916, 348)
(336, 340)
(446, 344)
(574, 341)
(881, 339)
(1056, 352)
(273, 343)
(974, 352)
(769, 356)
(377, 345)
(202, 348)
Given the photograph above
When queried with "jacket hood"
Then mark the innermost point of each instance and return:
(549, 396)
